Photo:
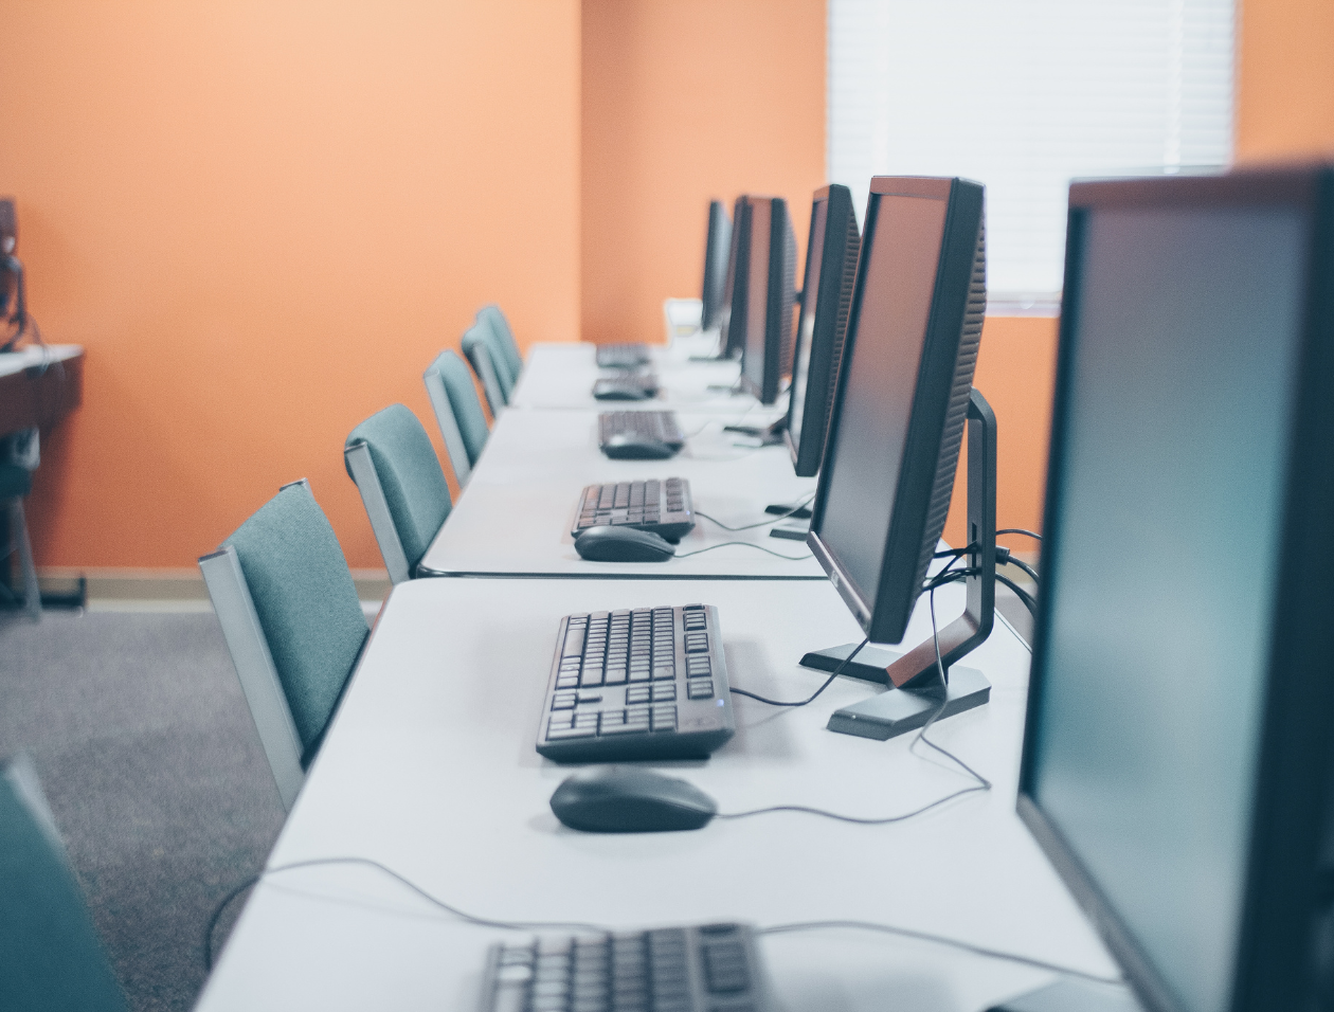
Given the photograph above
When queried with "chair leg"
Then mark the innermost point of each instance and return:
(19, 532)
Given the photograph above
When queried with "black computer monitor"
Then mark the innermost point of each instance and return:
(732, 321)
(904, 393)
(766, 361)
(13, 310)
(716, 253)
(826, 296)
(1177, 752)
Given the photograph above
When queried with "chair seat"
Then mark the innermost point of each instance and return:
(15, 481)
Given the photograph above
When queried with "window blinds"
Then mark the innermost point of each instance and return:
(1024, 95)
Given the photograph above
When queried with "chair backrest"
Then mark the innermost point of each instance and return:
(457, 411)
(509, 347)
(391, 459)
(293, 625)
(51, 956)
(476, 344)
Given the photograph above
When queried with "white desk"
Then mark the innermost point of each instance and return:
(515, 514)
(429, 768)
(33, 355)
(560, 376)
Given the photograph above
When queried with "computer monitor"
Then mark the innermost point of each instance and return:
(826, 296)
(732, 320)
(766, 361)
(1180, 731)
(716, 253)
(904, 394)
(13, 310)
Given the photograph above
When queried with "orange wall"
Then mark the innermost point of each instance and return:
(262, 220)
(684, 101)
(1285, 79)
(1016, 373)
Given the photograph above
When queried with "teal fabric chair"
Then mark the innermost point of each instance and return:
(293, 625)
(51, 959)
(504, 339)
(393, 463)
(477, 347)
(15, 484)
(458, 412)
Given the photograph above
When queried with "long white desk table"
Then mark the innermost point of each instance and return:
(561, 375)
(429, 768)
(514, 516)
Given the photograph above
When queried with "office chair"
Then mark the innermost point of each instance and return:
(293, 625)
(391, 459)
(458, 412)
(52, 958)
(15, 484)
(504, 339)
(477, 348)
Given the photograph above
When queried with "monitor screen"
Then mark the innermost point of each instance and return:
(757, 291)
(1180, 342)
(732, 318)
(770, 294)
(716, 253)
(826, 296)
(903, 394)
(801, 362)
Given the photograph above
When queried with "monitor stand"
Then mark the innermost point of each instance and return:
(1068, 994)
(768, 435)
(915, 688)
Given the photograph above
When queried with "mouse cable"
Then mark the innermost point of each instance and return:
(926, 936)
(746, 544)
(763, 523)
(801, 702)
(946, 575)
(1019, 530)
(484, 922)
(734, 421)
(601, 929)
(982, 783)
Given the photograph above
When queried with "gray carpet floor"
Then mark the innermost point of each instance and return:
(147, 753)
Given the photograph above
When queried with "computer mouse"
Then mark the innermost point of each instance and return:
(622, 544)
(628, 799)
(625, 446)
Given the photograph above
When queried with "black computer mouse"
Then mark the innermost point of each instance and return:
(622, 544)
(628, 799)
(624, 446)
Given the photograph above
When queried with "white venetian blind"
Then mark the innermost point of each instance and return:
(1024, 95)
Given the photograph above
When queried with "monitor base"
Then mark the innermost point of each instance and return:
(791, 510)
(870, 664)
(768, 435)
(792, 532)
(897, 711)
(1067, 995)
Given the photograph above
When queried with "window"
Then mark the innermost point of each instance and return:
(1024, 95)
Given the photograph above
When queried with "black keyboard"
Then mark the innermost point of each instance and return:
(629, 387)
(644, 684)
(622, 434)
(622, 356)
(709, 968)
(662, 507)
